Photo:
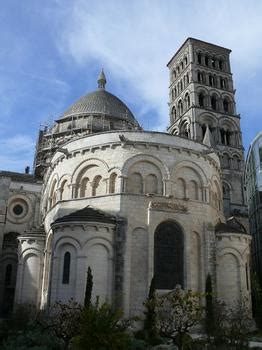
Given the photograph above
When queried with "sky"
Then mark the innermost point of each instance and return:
(52, 51)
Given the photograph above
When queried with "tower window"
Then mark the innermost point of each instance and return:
(220, 64)
(226, 105)
(66, 268)
(213, 62)
(201, 100)
(206, 60)
(199, 58)
(180, 107)
(222, 83)
(211, 80)
(186, 60)
(214, 103)
(200, 77)
(187, 99)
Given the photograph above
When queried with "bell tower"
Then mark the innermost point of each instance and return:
(202, 107)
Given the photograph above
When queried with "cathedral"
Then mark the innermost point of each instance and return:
(131, 203)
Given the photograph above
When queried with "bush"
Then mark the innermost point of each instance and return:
(101, 328)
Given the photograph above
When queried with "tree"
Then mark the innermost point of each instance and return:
(232, 324)
(65, 320)
(177, 312)
(150, 313)
(209, 319)
(89, 287)
(101, 328)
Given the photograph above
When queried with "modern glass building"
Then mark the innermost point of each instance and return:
(253, 183)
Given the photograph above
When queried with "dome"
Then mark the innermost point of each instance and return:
(100, 102)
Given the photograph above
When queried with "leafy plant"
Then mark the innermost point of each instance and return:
(101, 328)
(177, 312)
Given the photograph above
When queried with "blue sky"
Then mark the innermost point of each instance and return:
(51, 53)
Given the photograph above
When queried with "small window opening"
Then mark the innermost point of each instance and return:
(66, 268)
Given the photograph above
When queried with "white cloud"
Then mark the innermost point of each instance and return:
(134, 40)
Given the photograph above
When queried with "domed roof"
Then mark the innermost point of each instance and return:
(100, 102)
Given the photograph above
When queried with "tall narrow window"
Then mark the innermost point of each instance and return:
(199, 58)
(214, 102)
(66, 268)
(226, 105)
(112, 183)
(201, 100)
(168, 256)
(8, 275)
(206, 60)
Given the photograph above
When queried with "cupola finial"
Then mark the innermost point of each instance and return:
(101, 80)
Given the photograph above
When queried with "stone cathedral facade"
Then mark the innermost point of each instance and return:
(130, 203)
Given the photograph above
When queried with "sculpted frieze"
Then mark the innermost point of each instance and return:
(169, 205)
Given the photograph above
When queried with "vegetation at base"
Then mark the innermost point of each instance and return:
(168, 320)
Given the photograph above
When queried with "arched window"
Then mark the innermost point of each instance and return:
(135, 183)
(168, 256)
(214, 102)
(193, 190)
(180, 107)
(174, 74)
(222, 83)
(64, 190)
(236, 162)
(52, 197)
(199, 58)
(8, 275)
(66, 268)
(223, 136)
(201, 99)
(173, 113)
(228, 137)
(225, 161)
(211, 80)
(181, 85)
(187, 100)
(112, 183)
(182, 65)
(83, 187)
(96, 183)
(151, 184)
(187, 78)
(213, 62)
(185, 60)
(226, 198)
(175, 91)
(180, 188)
(220, 64)
(206, 60)
(226, 105)
(200, 77)
(185, 130)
